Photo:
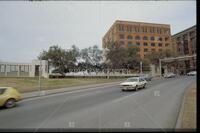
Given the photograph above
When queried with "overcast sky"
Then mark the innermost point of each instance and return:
(26, 28)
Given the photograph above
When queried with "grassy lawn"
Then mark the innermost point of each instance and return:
(32, 84)
(189, 112)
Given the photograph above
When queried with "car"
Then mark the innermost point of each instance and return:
(192, 73)
(133, 83)
(169, 75)
(147, 77)
(9, 96)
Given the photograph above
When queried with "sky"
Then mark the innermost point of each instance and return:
(28, 28)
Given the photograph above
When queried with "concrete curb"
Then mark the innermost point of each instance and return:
(179, 119)
(61, 90)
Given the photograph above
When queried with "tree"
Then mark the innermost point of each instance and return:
(62, 60)
(91, 55)
(121, 57)
(154, 57)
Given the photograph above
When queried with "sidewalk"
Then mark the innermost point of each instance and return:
(68, 89)
(187, 116)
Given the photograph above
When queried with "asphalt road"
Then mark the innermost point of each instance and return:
(156, 106)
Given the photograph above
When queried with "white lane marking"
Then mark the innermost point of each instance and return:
(70, 92)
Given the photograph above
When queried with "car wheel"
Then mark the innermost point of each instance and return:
(144, 85)
(136, 87)
(10, 103)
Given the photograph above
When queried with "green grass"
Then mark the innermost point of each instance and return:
(32, 84)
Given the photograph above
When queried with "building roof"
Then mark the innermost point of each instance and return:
(145, 23)
(194, 26)
(134, 22)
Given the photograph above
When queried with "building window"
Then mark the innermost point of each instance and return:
(145, 44)
(129, 37)
(160, 44)
(152, 38)
(178, 39)
(26, 69)
(137, 38)
(137, 43)
(159, 38)
(160, 50)
(2, 68)
(145, 38)
(145, 50)
(130, 43)
(152, 44)
(121, 36)
(13, 69)
(167, 44)
(8, 68)
(153, 50)
(166, 38)
(22, 68)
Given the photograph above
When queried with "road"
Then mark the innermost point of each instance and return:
(156, 106)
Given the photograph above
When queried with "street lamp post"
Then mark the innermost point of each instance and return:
(140, 67)
(160, 67)
(39, 89)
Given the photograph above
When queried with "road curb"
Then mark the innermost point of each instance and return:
(179, 119)
(62, 90)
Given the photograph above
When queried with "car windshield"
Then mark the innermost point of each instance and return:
(2, 90)
(132, 80)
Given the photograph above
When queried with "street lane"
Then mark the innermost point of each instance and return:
(156, 106)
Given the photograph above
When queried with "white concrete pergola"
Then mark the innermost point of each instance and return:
(180, 58)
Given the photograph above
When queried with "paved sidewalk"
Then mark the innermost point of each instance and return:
(187, 116)
(68, 89)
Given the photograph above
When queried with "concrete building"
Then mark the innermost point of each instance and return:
(147, 36)
(10, 69)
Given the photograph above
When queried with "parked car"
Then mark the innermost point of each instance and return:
(133, 83)
(147, 77)
(169, 75)
(192, 73)
(9, 96)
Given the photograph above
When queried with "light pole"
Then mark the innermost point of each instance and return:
(39, 89)
(160, 67)
(140, 67)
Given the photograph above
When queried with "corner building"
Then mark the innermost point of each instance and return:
(148, 36)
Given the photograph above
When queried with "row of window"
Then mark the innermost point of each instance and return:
(13, 68)
(144, 29)
(144, 44)
(152, 38)
(152, 50)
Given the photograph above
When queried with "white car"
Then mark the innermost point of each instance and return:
(133, 83)
(192, 73)
(169, 75)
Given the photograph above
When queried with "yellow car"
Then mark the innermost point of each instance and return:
(9, 96)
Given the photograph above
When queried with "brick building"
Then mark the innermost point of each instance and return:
(147, 36)
(184, 43)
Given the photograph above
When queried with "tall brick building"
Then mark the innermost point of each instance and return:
(184, 43)
(148, 36)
